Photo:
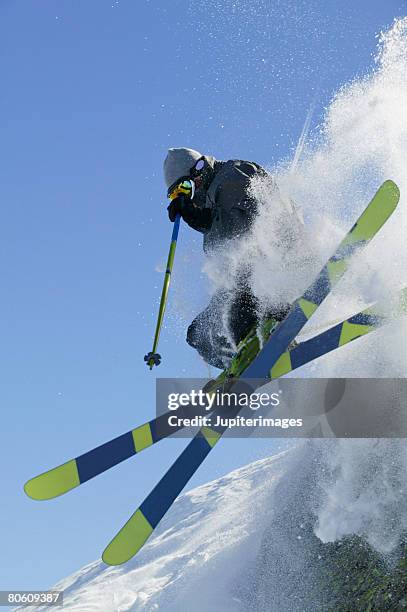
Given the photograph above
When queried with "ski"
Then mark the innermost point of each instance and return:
(71, 474)
(142, 523)
(352, 328)
(77, 471)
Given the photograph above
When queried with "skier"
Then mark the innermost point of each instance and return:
(221, 208)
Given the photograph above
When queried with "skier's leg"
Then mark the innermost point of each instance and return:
(207, 333)
(217, 330)
(243, 314)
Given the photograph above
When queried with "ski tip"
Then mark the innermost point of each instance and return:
(374, 216)
(393, 188)
(128, 541)
(53, 483)
(33, 489)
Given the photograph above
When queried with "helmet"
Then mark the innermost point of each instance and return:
(179, 163)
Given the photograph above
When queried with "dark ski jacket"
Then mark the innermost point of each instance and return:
(224, 209)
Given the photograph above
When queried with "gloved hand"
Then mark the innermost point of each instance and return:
(179, 206)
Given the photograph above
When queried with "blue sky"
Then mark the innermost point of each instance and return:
(93, 94)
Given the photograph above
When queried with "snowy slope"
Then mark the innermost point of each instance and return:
(260, 538)
(199, 557)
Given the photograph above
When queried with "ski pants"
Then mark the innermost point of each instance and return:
(216, 331)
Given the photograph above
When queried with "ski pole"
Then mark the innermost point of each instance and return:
(153, 358)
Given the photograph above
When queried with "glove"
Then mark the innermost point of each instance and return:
(179, 206)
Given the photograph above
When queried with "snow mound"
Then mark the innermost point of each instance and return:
(201, 552)
(263, 537)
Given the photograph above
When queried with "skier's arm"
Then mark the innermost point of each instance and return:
(198, 218)
(235, 199)
(242, 215)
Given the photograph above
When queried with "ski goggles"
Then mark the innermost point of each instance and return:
(197, 168)
(186, 184)
(183, 186)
